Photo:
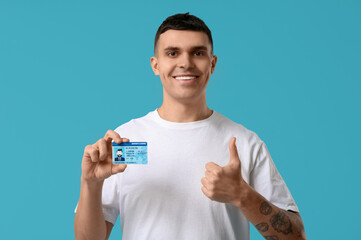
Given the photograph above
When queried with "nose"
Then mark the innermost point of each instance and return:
(185, 61)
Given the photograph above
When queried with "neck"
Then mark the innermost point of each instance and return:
(175, 111)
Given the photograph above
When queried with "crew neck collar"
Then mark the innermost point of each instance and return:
(186, 125)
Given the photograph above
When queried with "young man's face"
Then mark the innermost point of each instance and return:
(184, 63)
(119, 153)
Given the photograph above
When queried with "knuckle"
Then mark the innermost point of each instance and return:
(204, 181)
(87, 148)
(218, 173)
(108, 133)
(212, 180)
(93, 150)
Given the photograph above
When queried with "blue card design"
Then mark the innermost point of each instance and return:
(130, 153)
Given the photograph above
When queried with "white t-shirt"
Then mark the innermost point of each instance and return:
(164, 200)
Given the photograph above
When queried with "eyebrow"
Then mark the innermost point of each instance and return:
(172, 48)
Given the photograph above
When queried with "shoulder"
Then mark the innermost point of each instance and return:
(238, 130)
(248, 142)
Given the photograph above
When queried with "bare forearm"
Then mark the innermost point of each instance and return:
(89, 219)
(272, 222)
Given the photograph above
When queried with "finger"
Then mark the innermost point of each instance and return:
(125, 139)
(93, 153)
(213, 167)
(206, 183)
(207, 193)
(111, 135)
(86, 152)
(210, 176)
(233, 153)
(118, 168)
(103, 149)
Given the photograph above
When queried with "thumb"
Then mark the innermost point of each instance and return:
(233, 153)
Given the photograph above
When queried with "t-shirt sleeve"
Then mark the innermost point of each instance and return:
(267, 181)
(110, 199)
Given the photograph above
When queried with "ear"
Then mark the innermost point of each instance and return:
(154, 64)
(214, 61)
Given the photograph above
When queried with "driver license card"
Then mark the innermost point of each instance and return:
(130, 153)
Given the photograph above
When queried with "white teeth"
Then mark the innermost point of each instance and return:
(185, 78)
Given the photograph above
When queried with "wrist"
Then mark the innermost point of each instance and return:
(91, 184)
(243, 195)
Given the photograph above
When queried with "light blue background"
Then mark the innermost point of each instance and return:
(288, 70)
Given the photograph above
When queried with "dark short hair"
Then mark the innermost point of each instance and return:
(183, 21)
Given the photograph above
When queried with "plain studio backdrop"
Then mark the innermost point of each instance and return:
(71, 70)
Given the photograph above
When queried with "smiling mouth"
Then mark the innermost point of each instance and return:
(184, 78)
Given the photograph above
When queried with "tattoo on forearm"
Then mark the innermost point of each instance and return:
(262, 227)
(271, 237)
(281, 223)
(265, 208)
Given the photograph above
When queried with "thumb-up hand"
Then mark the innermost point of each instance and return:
(224, 184)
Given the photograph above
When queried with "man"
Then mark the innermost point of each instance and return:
(189, 189)
(119, 155)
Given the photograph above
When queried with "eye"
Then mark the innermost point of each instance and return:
(199, 53)
(172, 54)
